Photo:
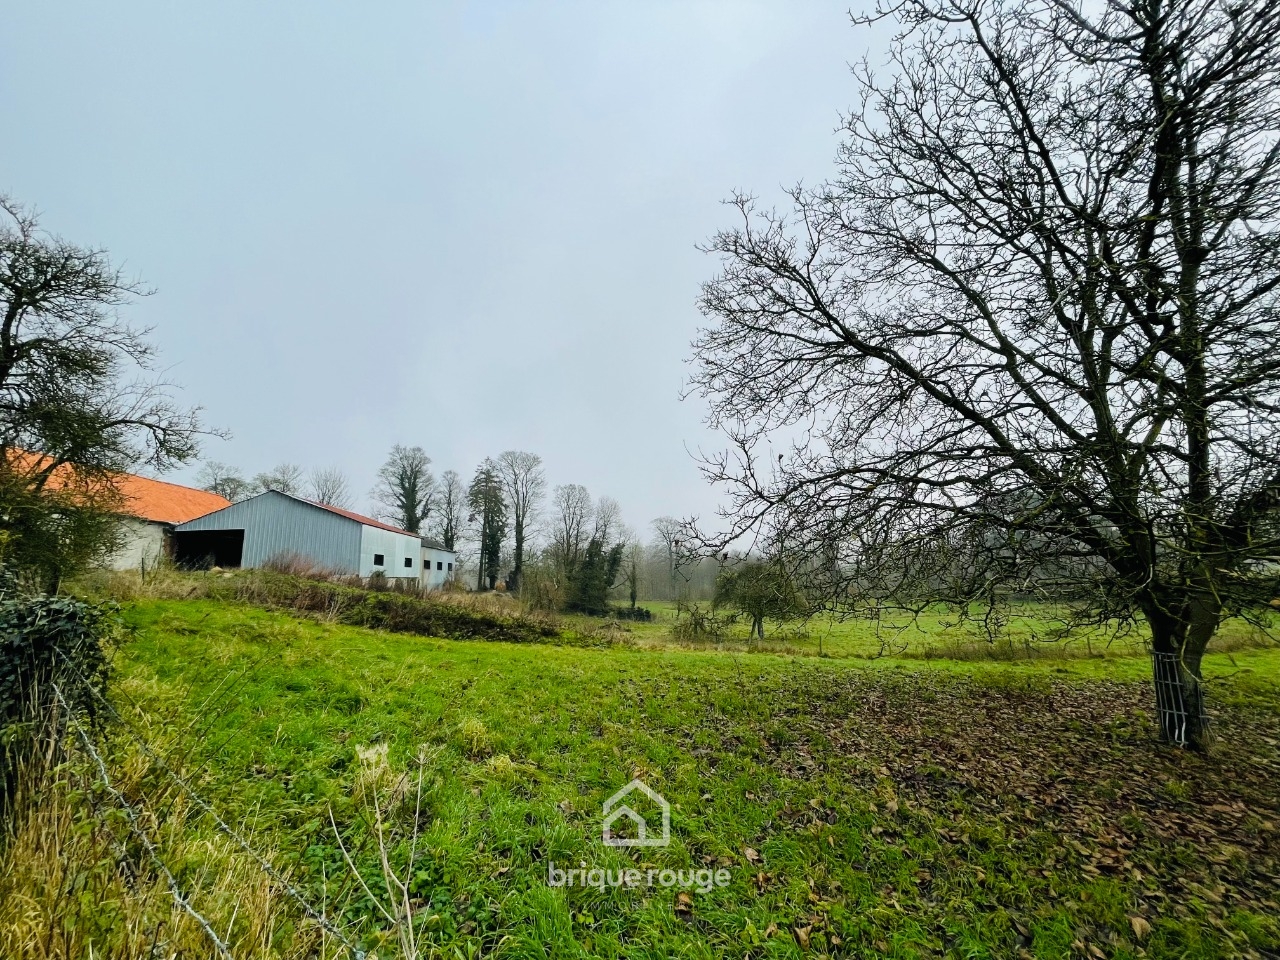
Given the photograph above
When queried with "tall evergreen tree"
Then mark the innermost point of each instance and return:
(594, 575)
(489, 509)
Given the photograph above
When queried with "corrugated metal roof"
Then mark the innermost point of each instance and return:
(359, 517)
(352, 515)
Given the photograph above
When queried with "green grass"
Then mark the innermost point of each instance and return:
(886, 808)
(1028, 631)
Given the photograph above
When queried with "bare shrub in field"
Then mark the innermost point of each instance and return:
(294, 564)
(490, 601)
(698, 623)
(592, 632)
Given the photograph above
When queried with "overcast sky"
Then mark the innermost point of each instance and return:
(467, 226)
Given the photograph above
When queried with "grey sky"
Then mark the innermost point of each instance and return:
(467, 226)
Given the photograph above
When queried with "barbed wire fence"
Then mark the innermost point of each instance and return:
(181, 900)
(135, 827)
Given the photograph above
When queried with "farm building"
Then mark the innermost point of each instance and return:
(148, 509)
(151, 510)
(275, 525)
(437, 563)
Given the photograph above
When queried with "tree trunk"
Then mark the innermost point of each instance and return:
(1180, 703)
(513, 584)
(1180, 707)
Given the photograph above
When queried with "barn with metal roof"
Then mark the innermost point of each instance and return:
(275, 526)
(150, 510)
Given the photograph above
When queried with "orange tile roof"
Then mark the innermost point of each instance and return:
(141, 497)
(166, 502)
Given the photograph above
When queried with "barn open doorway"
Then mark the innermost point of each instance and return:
(202, 549)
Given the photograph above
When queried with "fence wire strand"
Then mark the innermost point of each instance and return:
(263, 863)
(135, 826)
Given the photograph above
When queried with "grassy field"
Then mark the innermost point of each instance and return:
(885, 808)
(1027, 631)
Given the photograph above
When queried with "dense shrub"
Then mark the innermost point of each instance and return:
(46, 641)
(53, 534)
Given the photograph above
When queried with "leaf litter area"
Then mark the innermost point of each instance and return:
(1043, 813)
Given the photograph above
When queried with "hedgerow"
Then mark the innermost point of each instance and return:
(382, 610)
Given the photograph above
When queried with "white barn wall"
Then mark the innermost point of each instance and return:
(140, 541)
(431, 577)
(394, 547)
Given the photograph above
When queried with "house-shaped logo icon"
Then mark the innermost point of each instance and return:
(615, 810)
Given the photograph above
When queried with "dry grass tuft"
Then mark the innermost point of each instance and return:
(74, 884)
(163, 582)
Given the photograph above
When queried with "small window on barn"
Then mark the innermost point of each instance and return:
(378, 559)
(440, 565)
(451, 568)
(408, 561)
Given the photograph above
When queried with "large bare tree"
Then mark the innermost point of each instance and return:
(79, 406)
(329, 485)
(70, 384)
(405, 489)
(607, 526)
(285, 477)
(451, 509)
(525, 484)
(224, 480)
(667, 533)
(571, 523)
(1025, 338)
